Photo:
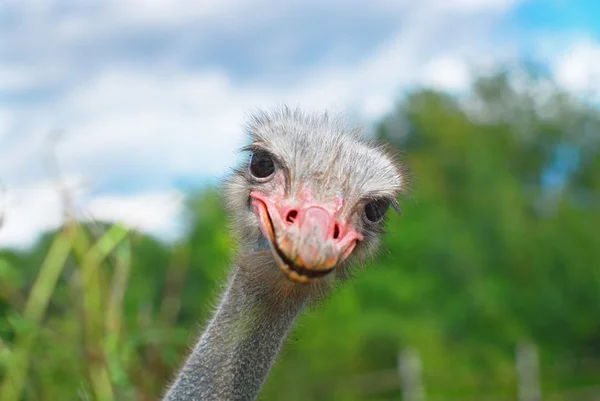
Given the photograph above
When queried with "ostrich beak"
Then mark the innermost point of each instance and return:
(306, 239)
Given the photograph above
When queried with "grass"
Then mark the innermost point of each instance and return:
(101, 307)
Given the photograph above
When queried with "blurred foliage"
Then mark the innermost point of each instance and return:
(497, 243)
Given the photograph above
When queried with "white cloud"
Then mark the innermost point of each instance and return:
(30, 210)
(578, 68)
(5, 123)
(39, 207)
(189, 122)
(447, 73)
(17, 77)
(154, 212)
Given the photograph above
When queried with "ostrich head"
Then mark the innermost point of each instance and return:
(312, 196)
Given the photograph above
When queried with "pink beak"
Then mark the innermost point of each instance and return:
(306, 238)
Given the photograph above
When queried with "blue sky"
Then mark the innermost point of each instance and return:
(574, 16)
(151, 94)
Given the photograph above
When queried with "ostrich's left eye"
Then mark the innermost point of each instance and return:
(261, 165)
(375, 210)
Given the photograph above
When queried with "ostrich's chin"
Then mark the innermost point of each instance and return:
(295, 272)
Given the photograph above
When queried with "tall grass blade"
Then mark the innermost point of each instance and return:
(35, 308)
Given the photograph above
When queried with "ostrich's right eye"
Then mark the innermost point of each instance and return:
(375, 210)
(261, 165)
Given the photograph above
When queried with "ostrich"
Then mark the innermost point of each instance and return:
(309, 203)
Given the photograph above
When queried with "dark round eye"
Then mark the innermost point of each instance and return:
(375, 210)
(261, 165)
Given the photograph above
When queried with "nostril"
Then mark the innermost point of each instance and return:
(291, 216)
(336, 231)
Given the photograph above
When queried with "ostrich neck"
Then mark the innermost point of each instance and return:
(235, 353)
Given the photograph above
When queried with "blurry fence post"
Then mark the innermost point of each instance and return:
(410, 369)
(528, 378)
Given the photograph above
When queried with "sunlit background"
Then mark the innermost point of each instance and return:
(131, 112)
